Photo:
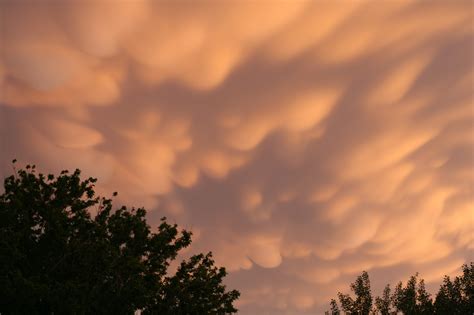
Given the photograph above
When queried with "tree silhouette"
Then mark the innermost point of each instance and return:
(363, 296)
(454, 297)
(413, 298)
(58, 257)
(457, 297)
(384, 304)
(334, 308)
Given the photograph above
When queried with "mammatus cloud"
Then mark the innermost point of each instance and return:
(303, 142)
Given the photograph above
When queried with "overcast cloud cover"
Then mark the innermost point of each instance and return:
(302, 142)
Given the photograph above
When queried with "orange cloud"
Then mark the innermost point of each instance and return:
(302, 141)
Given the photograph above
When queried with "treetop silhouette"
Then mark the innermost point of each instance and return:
(56, 256)
(453, 298)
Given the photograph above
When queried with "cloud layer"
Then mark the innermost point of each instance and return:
(302, 142)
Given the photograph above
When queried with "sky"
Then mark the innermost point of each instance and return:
(302, 142)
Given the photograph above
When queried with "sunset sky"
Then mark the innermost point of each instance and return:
(302, 142)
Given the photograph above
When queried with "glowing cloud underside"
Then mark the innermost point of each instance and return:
(303, 142)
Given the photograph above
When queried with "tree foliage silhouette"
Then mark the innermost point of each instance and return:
(334, 308)
(383, 304)
(413, 298)
(457, 297)
(362, 304)
(454, 297)
(58, 257)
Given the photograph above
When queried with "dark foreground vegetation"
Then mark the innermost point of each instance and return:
(455, 297)
(64, 250)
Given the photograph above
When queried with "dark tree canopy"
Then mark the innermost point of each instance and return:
(453, 298)
(56, 256)
(334, 308)
(362, 304)
(383, 303)
(413, 298)
(457, 297)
